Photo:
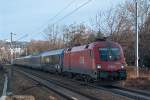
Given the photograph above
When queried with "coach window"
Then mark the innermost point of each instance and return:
(50, 60)
(47, 60)
(56, 59)
(42, 60)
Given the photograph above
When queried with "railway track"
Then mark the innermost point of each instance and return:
(132, 94)
(136, 95)
(61, 89)
(141, 92)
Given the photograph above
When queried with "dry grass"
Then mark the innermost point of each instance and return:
(143, 72)
(141, 82)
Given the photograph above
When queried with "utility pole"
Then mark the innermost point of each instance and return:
(137, 39)
(10, 78)
(11, 47)
(26, 51)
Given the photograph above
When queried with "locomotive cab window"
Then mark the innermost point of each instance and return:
(108, 54)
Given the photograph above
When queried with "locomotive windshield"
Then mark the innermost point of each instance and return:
(109, 54)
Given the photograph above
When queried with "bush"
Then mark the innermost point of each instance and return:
(146, 61)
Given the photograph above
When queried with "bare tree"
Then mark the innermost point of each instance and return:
(35, 47)
(52, 35)
(73, 34)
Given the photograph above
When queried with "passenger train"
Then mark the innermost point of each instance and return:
(100, 60)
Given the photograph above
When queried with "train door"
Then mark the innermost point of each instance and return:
(67, 60)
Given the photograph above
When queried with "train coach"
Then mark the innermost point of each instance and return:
(52, 61)
(23, 61)
(100, 60)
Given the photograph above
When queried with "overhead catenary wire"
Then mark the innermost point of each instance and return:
(68, 14)
(67, 6)
(22, 37)
(57, 14)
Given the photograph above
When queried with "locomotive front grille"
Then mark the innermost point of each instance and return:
(118, 75)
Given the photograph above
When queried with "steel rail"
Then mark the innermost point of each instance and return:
(133, 94)
(142, 92)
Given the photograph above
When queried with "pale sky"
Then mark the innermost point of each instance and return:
(31, 16)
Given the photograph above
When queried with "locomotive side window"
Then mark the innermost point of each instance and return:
(90, 54)
(109, 54)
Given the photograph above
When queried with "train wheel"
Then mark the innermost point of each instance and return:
(88, 79)
(70, 75)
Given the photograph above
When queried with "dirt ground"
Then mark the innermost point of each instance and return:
(24, 86)
(142, 82)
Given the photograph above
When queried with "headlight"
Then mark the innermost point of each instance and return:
(122, 67)
(98, 66)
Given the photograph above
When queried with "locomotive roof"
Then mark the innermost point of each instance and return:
(91, 45)
(52, 52)
(105, 43)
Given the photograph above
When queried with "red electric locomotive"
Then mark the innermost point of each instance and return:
(100, 60)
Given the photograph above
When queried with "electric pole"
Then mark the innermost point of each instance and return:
(11, 46)
(10, 77)
(137, 39)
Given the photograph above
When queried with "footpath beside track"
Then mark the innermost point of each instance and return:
(5, 93)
